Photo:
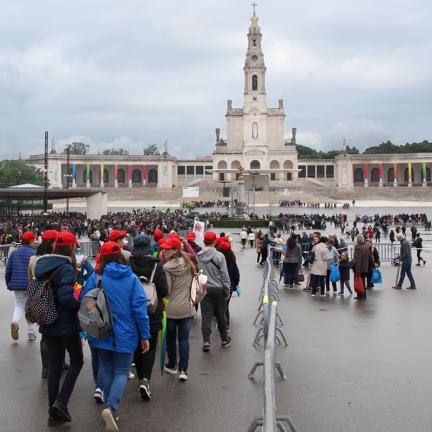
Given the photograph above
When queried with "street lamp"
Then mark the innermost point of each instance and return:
(45, 171)
(68, 176)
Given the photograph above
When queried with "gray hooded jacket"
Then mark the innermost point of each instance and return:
(214, 266)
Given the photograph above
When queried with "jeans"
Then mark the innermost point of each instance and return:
(56, 346)
(96, 367)
(419, 258)
(144, 362)
(19, 310)
(213, 304)
(317, 281)
(406, 270)
(178, 328)
(115, 373)
(345, 283)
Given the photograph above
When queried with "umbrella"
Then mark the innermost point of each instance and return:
(162, 341)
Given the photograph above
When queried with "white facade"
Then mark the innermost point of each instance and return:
(255, 133)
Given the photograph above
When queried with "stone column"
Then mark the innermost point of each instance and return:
(88, 184)
(366, 175)
(409, 174)
(116, 176)
(97, 205)
(424, 182)
(395, 175)
(74, 171)
(102, 175)
(130, 176)
(144, 175)
(380, 167)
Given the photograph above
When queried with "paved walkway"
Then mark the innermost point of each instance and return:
(351, 366)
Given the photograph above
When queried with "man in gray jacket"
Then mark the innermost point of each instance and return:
(214, 266)
(406, 261)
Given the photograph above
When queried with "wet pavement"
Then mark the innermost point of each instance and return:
(351, 366)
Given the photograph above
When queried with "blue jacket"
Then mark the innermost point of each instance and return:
(128, 304)
(17, 268)
(62, 284)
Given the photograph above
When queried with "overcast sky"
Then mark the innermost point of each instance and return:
(133, 72)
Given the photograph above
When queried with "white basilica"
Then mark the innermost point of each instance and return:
(255, 133)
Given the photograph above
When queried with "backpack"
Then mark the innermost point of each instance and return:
(40, 305)
(94, 314)
(198, 288)
(150, 291)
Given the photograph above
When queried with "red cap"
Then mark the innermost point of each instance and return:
(173, 235)
(158, 234)
(110, 248)
(225, 245)
(209, 237)
(191, 236)
(218, 241)
(98, 261)
(49, 235)
(28, 236)
(170, 243)
(116, 234)
(65, 238)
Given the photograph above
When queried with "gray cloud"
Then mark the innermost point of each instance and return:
(133, 73)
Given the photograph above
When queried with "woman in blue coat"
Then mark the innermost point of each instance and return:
(128, 304)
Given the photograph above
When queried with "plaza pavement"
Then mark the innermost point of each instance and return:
(351, 366)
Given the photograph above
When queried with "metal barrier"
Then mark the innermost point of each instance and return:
(271, 332)
(90, 248)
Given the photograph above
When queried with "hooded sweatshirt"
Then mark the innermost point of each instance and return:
(128, 304)
(62, 284)
(214, 266)
(179, 279)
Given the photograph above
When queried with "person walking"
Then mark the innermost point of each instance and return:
(392, 236)
(233, 271)
(180, 311)
(63, 334)
(361, 260)
(418, 244)
(292, 253)
(214, 266)
(333, 259)
(406, 262)
(143, 264)
(258, 248)
(17, 281)
(320, 256)
(45, 248)
(373, 263)
(344, 270)
(128, 304)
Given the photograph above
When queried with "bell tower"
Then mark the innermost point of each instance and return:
(254, 68)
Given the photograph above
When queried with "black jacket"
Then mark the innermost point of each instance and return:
(62, 284)
(344, 270)
(143, 265)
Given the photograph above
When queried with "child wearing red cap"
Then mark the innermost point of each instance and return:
(64, 333)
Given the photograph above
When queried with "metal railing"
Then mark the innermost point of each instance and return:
(270, 322)
(90, 248)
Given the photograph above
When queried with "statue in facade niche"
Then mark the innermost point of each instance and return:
(217, 135)
(293, 139)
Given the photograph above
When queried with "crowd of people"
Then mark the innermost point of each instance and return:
(302, 204)
(169, 266)
(206, 204)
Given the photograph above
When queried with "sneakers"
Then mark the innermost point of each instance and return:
(131, 376)
(99, 396)
(31, 336)
(322, 295)
(340, 293)
(418, 265)
(206, 347)
(144, 389)
(313, 295)
(108, 416)
(14, 331)
(226, 343)
(183, 376)
(172, 370)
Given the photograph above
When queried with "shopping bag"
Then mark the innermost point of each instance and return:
(358, 284)
(300, 276)
(376, 277)
(334, 274)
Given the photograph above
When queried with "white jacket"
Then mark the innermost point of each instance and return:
(322, 256)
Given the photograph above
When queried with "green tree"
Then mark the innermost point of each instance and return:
(16, 172)
(115, 152)
(151, 150)
(77, 148)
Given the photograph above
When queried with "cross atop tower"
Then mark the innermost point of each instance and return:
(254, 5)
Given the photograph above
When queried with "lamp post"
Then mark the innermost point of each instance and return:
(45, 198)
(67, 176)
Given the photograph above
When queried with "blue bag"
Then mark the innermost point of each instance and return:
(334, 274)
(376, 277)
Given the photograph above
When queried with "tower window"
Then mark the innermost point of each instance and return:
(254, 82)
(254, 42)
